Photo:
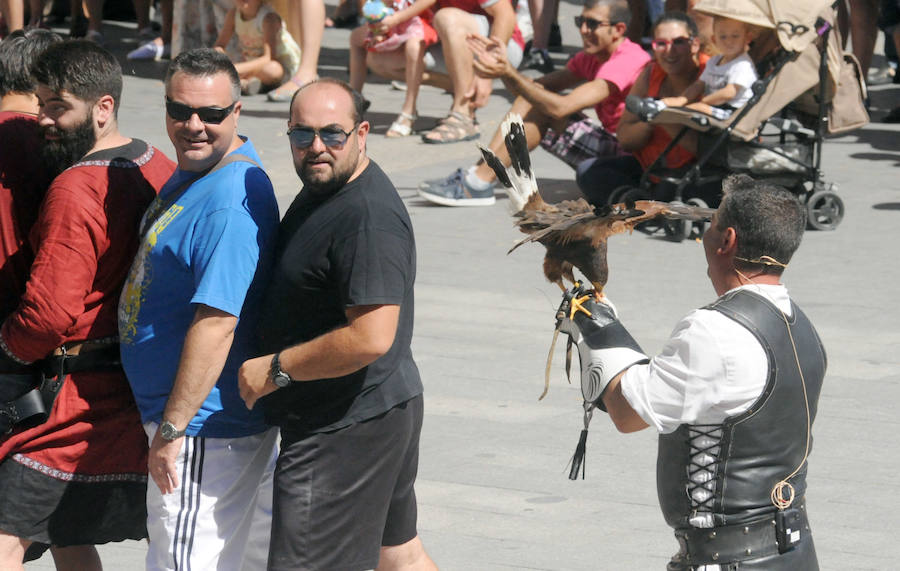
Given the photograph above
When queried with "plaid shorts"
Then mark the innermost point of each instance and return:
(584, 138)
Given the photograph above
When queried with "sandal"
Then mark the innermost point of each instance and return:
(250, 86)
(281, 96)
(402, 126)
(453, 128)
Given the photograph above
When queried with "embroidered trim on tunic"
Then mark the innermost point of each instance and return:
(9, 353)
(119, 163)
(70, 477)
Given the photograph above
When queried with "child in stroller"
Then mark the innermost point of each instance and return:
(725, 84)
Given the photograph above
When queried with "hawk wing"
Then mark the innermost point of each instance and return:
(597, 225)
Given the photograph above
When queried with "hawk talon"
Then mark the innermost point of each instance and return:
(577, 305)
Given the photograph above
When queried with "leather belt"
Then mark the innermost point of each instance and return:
(732, 543)
(85, 346)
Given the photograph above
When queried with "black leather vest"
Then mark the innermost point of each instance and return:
(763, 445)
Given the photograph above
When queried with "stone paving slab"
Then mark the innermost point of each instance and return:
(492, 487)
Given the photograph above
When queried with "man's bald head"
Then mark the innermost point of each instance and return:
(357, 102)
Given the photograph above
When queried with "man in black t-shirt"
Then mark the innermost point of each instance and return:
(336, 326)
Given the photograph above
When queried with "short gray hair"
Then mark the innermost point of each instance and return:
(769, 222)
(205, 62)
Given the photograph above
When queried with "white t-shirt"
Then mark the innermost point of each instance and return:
(739, 71)
(711, 368)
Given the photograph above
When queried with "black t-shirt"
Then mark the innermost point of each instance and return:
(354, 247)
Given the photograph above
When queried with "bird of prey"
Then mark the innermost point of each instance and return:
(573, 231)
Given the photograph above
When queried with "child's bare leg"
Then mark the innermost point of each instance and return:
(271, 74)
(358, 54)
(389, 65)
(414, 50)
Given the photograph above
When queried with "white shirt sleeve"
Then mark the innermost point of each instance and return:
(710, 368)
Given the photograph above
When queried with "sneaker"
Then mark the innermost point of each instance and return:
(453, 191)
(537, 59)
(150, 51)
(96, 37)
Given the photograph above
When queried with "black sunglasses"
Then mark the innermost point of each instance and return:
(681, 42)
(591, 23)
(332, 137)
(211, 115)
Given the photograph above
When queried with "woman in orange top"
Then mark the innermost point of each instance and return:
(675, 66)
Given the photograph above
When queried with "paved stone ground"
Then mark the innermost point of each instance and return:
(492, 487)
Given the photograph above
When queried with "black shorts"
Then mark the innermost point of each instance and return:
(340, 496)
(44, 509)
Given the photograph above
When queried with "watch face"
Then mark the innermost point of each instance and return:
(281, 379)
(168, 431)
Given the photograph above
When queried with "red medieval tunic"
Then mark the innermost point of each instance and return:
(22, 186)
(90, 456)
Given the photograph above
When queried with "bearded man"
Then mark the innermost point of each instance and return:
(336, 323)
(74, 471)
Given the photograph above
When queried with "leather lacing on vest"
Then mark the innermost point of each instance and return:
(704, 441)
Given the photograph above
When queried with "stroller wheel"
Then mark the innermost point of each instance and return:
(618, 194)
(699, 227)
(677, 230)
(632, 194)
(824, 210)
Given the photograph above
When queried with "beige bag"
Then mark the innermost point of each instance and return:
(848, 109)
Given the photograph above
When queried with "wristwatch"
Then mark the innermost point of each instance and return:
(279, 377)
(168, 432)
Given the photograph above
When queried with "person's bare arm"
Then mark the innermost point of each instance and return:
(633, 133)
(226, 32)
(490, 62)
(621, 413)
(692, 94)
(406, 14)
(722, 96)
(203, 356)
(368, 334)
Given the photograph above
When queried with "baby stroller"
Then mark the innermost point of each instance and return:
(807, 89)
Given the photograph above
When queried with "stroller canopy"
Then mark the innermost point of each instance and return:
(794, 21)
(791, 27)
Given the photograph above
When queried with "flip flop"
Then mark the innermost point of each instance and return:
(278, 96)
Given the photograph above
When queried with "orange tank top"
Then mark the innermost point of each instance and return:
(659, 139)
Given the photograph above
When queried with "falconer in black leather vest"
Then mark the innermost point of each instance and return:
(715, 482)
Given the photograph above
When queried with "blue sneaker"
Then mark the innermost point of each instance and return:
(150, 51)
(454, 191)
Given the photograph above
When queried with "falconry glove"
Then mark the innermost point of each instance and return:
(605, 348)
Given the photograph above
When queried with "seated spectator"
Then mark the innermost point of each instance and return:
(395, 48)
(599, 76)
(450, 63)
(269, 55)
(676, 65)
